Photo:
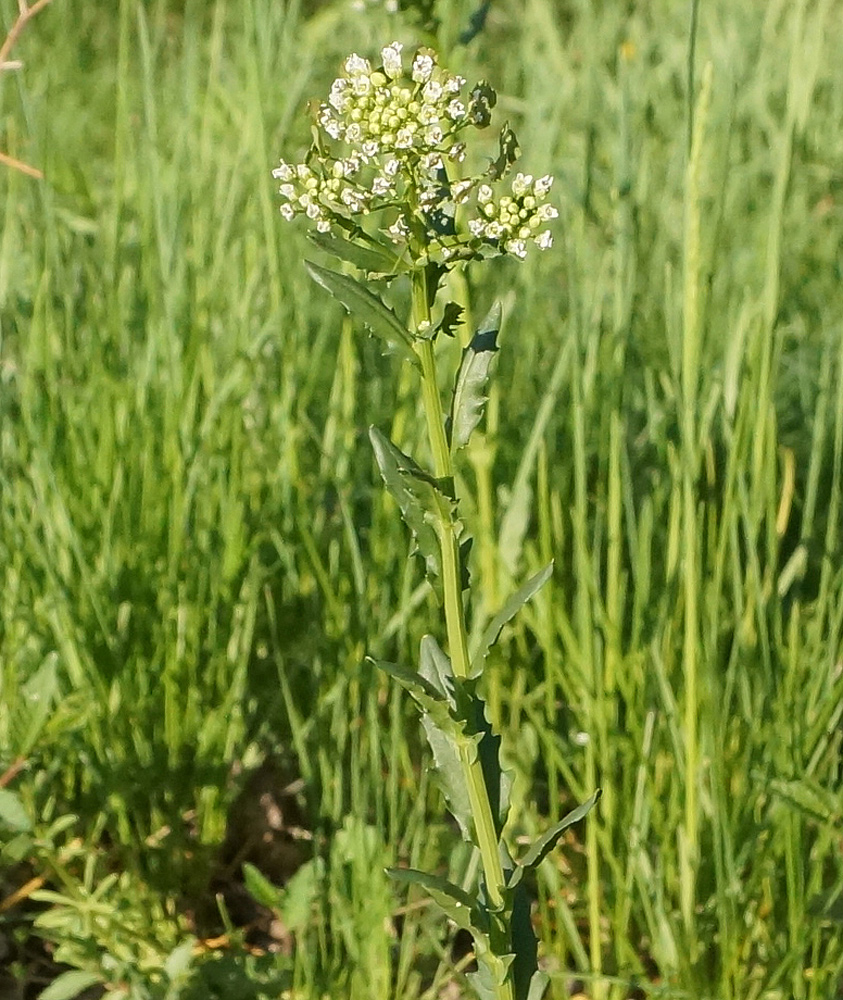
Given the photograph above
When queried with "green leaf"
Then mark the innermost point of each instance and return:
(463, 909)
(421, 499)
(368, 308)
(178, 962)
(545, 844)
(508, 611)
(259, 886)
(300, 894)
(538, 985)
(508, 153)
(449, 773)
(69, 985)
(12, 812)
(423, 693)
(470, 387)
(810, 798)
(435, 668)
(373, 258)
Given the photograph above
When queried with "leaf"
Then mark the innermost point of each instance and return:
(545, 844)
(435, 667)
(12, 812)
(423, 693)
(450, 775)
(372, 258)
(810, 798)
(508, 153)
(178, 962)
(300, 893)
(69, 985)
(422, 501)
(470, 387)
(463, 909)
(259, 886)
(368, 308)
(508, 611)
(538, 985)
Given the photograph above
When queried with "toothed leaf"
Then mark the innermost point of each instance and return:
(545, 844)
(463, 909)
(366, 307)
(508, 611)
(470, 396)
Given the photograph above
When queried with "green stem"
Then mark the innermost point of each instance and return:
(481, 808)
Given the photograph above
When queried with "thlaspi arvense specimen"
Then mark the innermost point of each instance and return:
(384, 188)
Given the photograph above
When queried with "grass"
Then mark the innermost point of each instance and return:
(196, 554)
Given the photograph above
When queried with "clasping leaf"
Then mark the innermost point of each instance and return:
(470, 388)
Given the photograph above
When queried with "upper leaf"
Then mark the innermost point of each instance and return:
(418, 495)
(514, 604)
(545, 844)
(470, 388)
(463, 909)
(371, 257)
(368, 308)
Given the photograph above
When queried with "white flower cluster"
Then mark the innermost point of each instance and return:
(512, 221)
(385, 136)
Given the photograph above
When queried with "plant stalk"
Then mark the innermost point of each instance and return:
(481, 808)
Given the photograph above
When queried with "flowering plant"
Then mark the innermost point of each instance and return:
(385, 140)
(381, 185)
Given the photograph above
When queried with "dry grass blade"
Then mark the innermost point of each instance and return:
(25, 14)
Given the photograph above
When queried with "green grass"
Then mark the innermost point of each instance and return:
(196, 553)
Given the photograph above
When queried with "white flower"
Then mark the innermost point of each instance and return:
(333, 128)
(399, 229)
(288, 212)
(338, 98)
(353, 133)
(434, 135)
(543, 185)
(454, 84)
(391, 167)
(286, 172)
(356, 65)
(391, 56)
(547, 212)
(431, 162)
(323, 226)
(456, 110)
(484, 194)
(428, 115)
(313, 211)
(370, 149)
(361, 85)
(544, 241)
(460, 189)
(522, 184)
(422, 68)
(380, 185)
(476, 227)
(404, 138)
(287, 191)
(432, 91)
(516, 247)
(457, 152)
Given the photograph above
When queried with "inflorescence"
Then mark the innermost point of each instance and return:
(390, 139)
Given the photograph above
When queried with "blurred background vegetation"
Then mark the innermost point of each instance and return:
(196, 553)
